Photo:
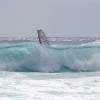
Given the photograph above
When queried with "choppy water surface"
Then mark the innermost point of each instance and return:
(30, 71)
(49, 86)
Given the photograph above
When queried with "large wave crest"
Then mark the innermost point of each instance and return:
(33, 57)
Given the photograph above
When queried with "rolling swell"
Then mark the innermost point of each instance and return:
(33, 57)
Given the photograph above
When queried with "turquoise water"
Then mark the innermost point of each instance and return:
(33, 57)
(30, 71)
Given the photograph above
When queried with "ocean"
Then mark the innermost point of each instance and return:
(64, 71)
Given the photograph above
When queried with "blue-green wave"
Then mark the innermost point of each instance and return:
(33, 57)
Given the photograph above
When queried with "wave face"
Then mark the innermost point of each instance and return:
(33, 57)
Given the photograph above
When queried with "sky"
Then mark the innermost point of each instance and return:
(55, 17)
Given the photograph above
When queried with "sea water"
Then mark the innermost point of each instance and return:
(31, 71)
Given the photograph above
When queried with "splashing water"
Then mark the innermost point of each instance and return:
(31, 57)
(22, 66)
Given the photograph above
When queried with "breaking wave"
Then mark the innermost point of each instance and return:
(33, 57)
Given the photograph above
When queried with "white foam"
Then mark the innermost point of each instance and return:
(27, 88)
